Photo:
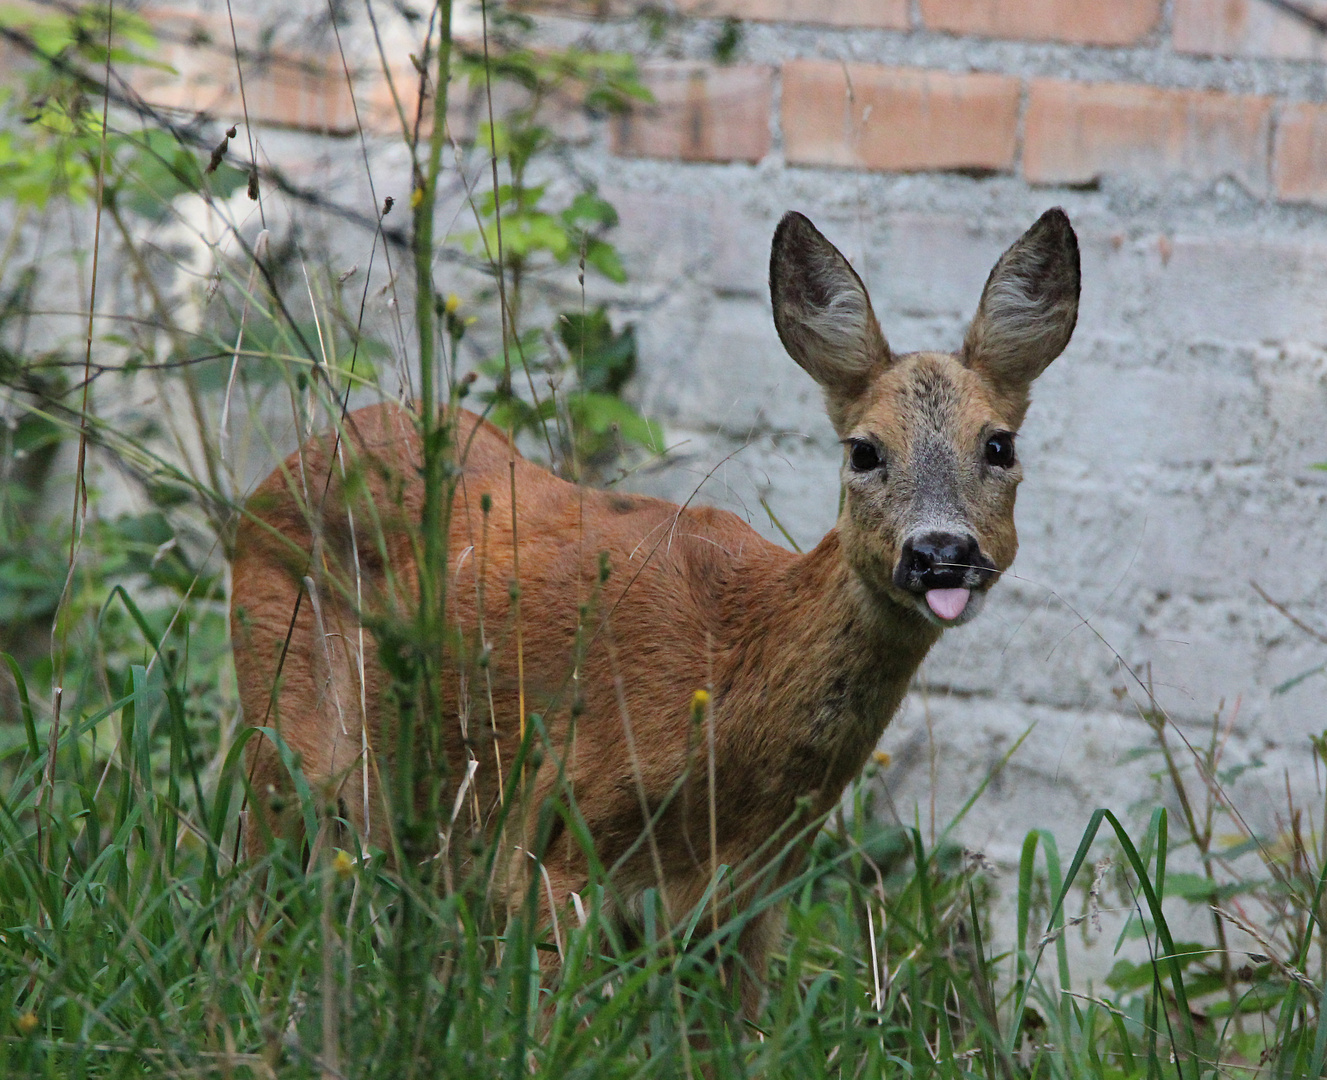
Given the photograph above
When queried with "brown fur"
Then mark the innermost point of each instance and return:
(806, 656)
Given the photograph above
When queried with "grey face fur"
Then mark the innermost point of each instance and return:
(930, 471)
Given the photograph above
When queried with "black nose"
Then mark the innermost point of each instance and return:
(941, 561)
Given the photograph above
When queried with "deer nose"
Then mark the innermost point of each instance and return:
(941, 561)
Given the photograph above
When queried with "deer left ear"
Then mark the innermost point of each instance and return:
(1028, 308)
(823, 314)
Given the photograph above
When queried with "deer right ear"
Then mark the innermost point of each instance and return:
(1028, 308)
(823, 314)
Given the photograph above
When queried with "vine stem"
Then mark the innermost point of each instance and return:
(60, 630)
(432, 580)
(435, 514)
(507, 323)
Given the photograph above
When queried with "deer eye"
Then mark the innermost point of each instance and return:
(1000, 450)
(862, 456)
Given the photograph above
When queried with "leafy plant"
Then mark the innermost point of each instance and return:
(524, 231)
(584, 417)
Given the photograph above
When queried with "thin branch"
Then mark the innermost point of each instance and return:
(190, 135)
(1316, 23)
(1315, 634)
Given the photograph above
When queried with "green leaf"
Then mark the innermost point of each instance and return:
(518, 414)
(1291, 683)
(604, 258)
(605, 360)
(512, 199)
(602, 414)
(1198, 889)
(157, 168)
(588, 208)
(498, 135)
(1230, 775)
(1126, 975)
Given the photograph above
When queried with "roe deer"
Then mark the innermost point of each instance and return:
(630, 605)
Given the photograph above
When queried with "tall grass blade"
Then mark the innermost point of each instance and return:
(25, 706)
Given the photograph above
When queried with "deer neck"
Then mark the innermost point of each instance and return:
(842, 657)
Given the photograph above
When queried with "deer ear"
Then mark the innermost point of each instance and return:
(1028, 308)
(823, 314)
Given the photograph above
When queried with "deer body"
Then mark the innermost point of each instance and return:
(629, 605)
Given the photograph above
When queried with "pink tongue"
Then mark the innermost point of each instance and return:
(947, 603)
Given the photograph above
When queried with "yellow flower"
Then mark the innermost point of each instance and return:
(343, 864)
(27, 1023)
(453, 303)
(881, 758)
(700, 700)
(416, 197)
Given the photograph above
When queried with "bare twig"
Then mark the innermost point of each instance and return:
(1316, 23)
(1283, 966)
(1315, 634)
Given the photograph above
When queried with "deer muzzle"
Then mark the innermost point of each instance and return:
(943, 569)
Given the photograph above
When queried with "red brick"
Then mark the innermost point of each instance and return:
(1247, 28)
(866, 116)
(286, 89)
(885, 14)
(280, 89)
(1077, 132)
(700, 113)
(1088, 22)
(377, 109)
(584, 9)
(882, 14)
(467, 106)
(1299, 162)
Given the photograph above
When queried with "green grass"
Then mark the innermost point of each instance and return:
(132, 944)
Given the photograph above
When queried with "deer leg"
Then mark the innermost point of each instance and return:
(753, 947)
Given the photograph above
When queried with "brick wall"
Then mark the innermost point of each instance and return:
(906, 118)
(885, 117)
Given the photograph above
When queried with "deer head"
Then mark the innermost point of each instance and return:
(930, 466)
